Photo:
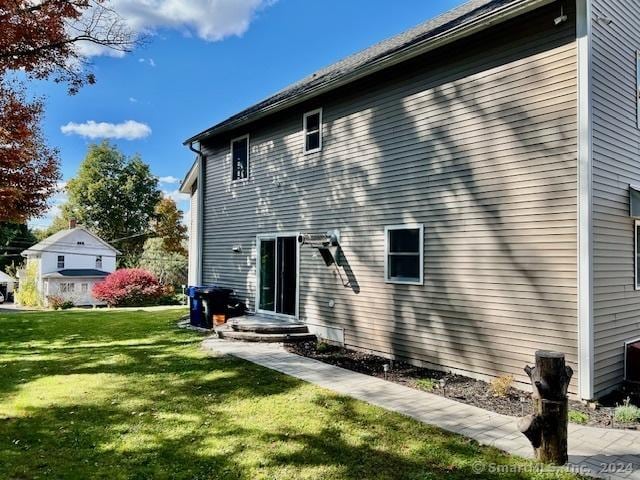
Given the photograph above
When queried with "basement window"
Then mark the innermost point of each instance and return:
(312, 125)
(404, 254)
(240, 158)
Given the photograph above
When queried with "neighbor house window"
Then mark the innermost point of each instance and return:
(99, 262)
(67, 287)
(404, 254)
(60, 261)
(637, 254)
(84, 288)
(240, 158)
(312, 125)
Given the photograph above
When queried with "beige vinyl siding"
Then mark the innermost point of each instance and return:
(616, 164)
(478, 143)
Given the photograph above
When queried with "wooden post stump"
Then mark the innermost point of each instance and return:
(546, 429)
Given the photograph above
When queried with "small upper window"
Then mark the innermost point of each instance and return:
(240, 158)
(99, 262)
(404, 254)
(79, 242)
(312, 124)
(60, 261)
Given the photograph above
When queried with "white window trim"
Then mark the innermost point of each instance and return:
(304, 131)
(407, 226)
(635, 254)
(58, 262)
(240, 180)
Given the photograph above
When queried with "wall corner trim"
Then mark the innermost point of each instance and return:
(585, 197)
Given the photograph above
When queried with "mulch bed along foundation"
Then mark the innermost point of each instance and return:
(457, 387)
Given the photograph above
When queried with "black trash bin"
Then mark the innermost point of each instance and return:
(215, 301)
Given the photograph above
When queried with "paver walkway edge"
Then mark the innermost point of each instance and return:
(606, 453)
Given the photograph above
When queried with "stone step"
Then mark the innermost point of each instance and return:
(231, 334)
(263, 327)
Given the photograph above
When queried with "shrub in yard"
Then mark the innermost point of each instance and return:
(27, 293)
(322, 347)
(57, 302)
(427, 384)
(576, 416)
(626, 413)
(500, 386)
(129, 287)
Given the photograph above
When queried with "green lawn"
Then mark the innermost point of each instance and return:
(125, 394)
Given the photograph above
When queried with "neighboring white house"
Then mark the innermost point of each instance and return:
(7, 283)
(70, 263)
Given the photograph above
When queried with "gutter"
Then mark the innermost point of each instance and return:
(507, 12)
(200, 202)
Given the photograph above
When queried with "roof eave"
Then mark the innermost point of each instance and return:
(509, 11)
(190, 177)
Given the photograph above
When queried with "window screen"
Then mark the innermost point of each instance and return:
(240, 158)
(404, 254)
(312, 131)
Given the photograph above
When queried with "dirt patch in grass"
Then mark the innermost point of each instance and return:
(463, 389)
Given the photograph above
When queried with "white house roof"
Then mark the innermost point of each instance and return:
(4, 278)
(49, 243)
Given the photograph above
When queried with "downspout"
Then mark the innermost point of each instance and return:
(586, 356)
(200, 219)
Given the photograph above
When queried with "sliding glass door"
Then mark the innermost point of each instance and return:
(277, 274)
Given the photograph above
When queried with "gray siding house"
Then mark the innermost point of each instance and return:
(476, 171)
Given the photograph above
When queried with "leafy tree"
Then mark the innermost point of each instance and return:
(59, 223)
(28, 168)
(14, 238)
(169, 227)
(169, 267)
(41, 40)
(115, 197)
(27, 293)
(45, 39)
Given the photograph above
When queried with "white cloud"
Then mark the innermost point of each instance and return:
(176, 196)
(152, 62)
(129, 130)
(133, 99)
(169, 180)
(210, 20)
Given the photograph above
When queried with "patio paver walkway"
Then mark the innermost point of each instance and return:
(606, 453)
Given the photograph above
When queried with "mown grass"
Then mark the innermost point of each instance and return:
(126, 395)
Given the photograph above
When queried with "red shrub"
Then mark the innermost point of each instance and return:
(129, 287)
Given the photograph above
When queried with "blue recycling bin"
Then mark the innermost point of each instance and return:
(196, 307)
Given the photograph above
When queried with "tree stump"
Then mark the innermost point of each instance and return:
(546, 429)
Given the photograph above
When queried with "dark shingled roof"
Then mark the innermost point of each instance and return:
(452, 20)
(77, 272)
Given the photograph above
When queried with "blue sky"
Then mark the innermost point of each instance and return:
(204, 61)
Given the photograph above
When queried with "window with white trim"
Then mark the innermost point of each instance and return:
(240, 158)
(84, 288)
(404, 254)
(637, 253)
(60, 261)
(312, 126)
(67, 287)
(99, 262)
